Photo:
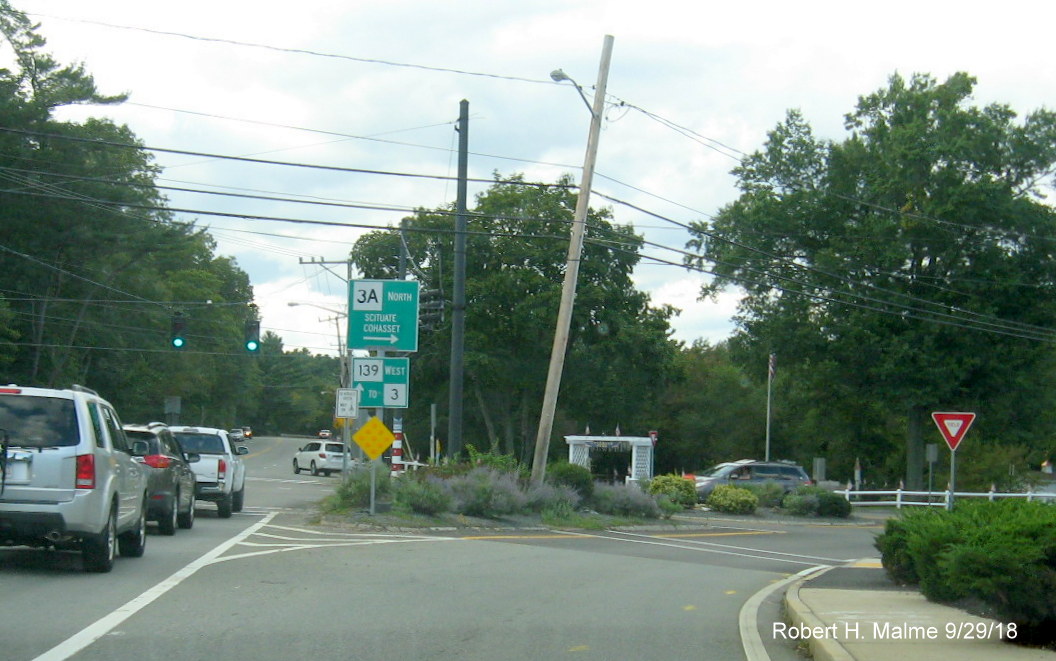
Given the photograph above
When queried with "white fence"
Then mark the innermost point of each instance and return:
(901, 498)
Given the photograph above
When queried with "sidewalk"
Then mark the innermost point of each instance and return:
(856, 613)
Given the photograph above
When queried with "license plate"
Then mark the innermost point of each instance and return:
(18, 467)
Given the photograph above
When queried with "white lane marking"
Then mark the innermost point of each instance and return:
(738, 548)
(684, 547)
(748, 619)
(105, 624)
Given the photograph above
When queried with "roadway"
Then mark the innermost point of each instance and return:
(270, 583)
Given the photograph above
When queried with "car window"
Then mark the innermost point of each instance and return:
(719, 470)
(195, 442)
(113, 426)
(39, 421)
(136, 435)
(334, 447)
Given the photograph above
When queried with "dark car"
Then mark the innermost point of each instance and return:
(750, 471)
(170, 490)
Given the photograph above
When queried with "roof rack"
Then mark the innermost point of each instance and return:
(79, 388)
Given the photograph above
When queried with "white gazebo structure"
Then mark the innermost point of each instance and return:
(641, 447)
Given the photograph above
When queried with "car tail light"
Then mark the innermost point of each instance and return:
(10, 391)
(85, 471)
(221, 469)
(322, 455)
(157, 461)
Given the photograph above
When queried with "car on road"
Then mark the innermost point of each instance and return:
(320, 457)
(325, 433)
(220, 473)
(751, 471)
(236, 435)
(69, 480)
(170, 490)
(247, 432)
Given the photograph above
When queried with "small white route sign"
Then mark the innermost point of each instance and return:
(347, 403)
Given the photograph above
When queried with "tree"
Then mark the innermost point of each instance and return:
(910, 265)
(516, 249)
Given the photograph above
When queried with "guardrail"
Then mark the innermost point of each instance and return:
(902, 498)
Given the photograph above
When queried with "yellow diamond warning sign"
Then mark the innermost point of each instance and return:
(374, 437)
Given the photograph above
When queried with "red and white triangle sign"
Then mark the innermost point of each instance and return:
(953, 426)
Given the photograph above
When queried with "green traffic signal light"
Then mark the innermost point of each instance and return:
(179, 328)
(252, 343)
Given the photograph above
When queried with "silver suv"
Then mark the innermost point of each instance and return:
(68, 480)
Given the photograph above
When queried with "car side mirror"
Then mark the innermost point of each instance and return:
(192, 457)
(241, 449)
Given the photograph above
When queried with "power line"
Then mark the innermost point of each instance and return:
(298, 51)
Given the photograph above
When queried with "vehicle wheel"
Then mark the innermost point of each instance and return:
(315, 471)
(296, 468)
(134, 542)
(326, 473)
(167, 522)
(98, 552)
(239, 499)
(186, 519)
(223, 507)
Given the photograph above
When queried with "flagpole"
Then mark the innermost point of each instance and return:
(769, 383)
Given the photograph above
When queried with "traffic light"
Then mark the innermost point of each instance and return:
(252, 342)
(177, 336)
(430, 309)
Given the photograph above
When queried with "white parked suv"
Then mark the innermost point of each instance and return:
(68, 480)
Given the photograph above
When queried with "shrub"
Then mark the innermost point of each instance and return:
(833, 504)
(678, 490)
(1002, 554)
(486, 492)
(732, 500)
(545, 496)
(624, 500)
(354, 490)
(572, 475)
(800, 504)
(894, 552)
(504, 463)
(423, 496)
(668, 507)
(769, 493)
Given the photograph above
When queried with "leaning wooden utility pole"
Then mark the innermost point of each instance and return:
(568, 289)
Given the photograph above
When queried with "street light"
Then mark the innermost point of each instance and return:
(559, 76)
(575, 250)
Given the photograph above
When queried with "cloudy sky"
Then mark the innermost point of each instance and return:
(376, 86)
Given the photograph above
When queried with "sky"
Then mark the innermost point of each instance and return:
(357, 85)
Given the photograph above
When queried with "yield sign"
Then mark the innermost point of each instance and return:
(953, 426)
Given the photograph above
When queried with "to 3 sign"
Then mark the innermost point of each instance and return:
(381, 382)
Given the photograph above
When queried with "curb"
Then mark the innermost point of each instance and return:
(799, 614)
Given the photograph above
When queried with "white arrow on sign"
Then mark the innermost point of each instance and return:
(391, 339)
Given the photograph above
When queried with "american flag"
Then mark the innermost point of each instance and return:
(773, 365)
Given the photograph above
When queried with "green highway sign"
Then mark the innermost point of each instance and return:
(383, 315)
(381, 382)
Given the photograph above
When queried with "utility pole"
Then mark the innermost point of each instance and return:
(458, 301)
(568, 289)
